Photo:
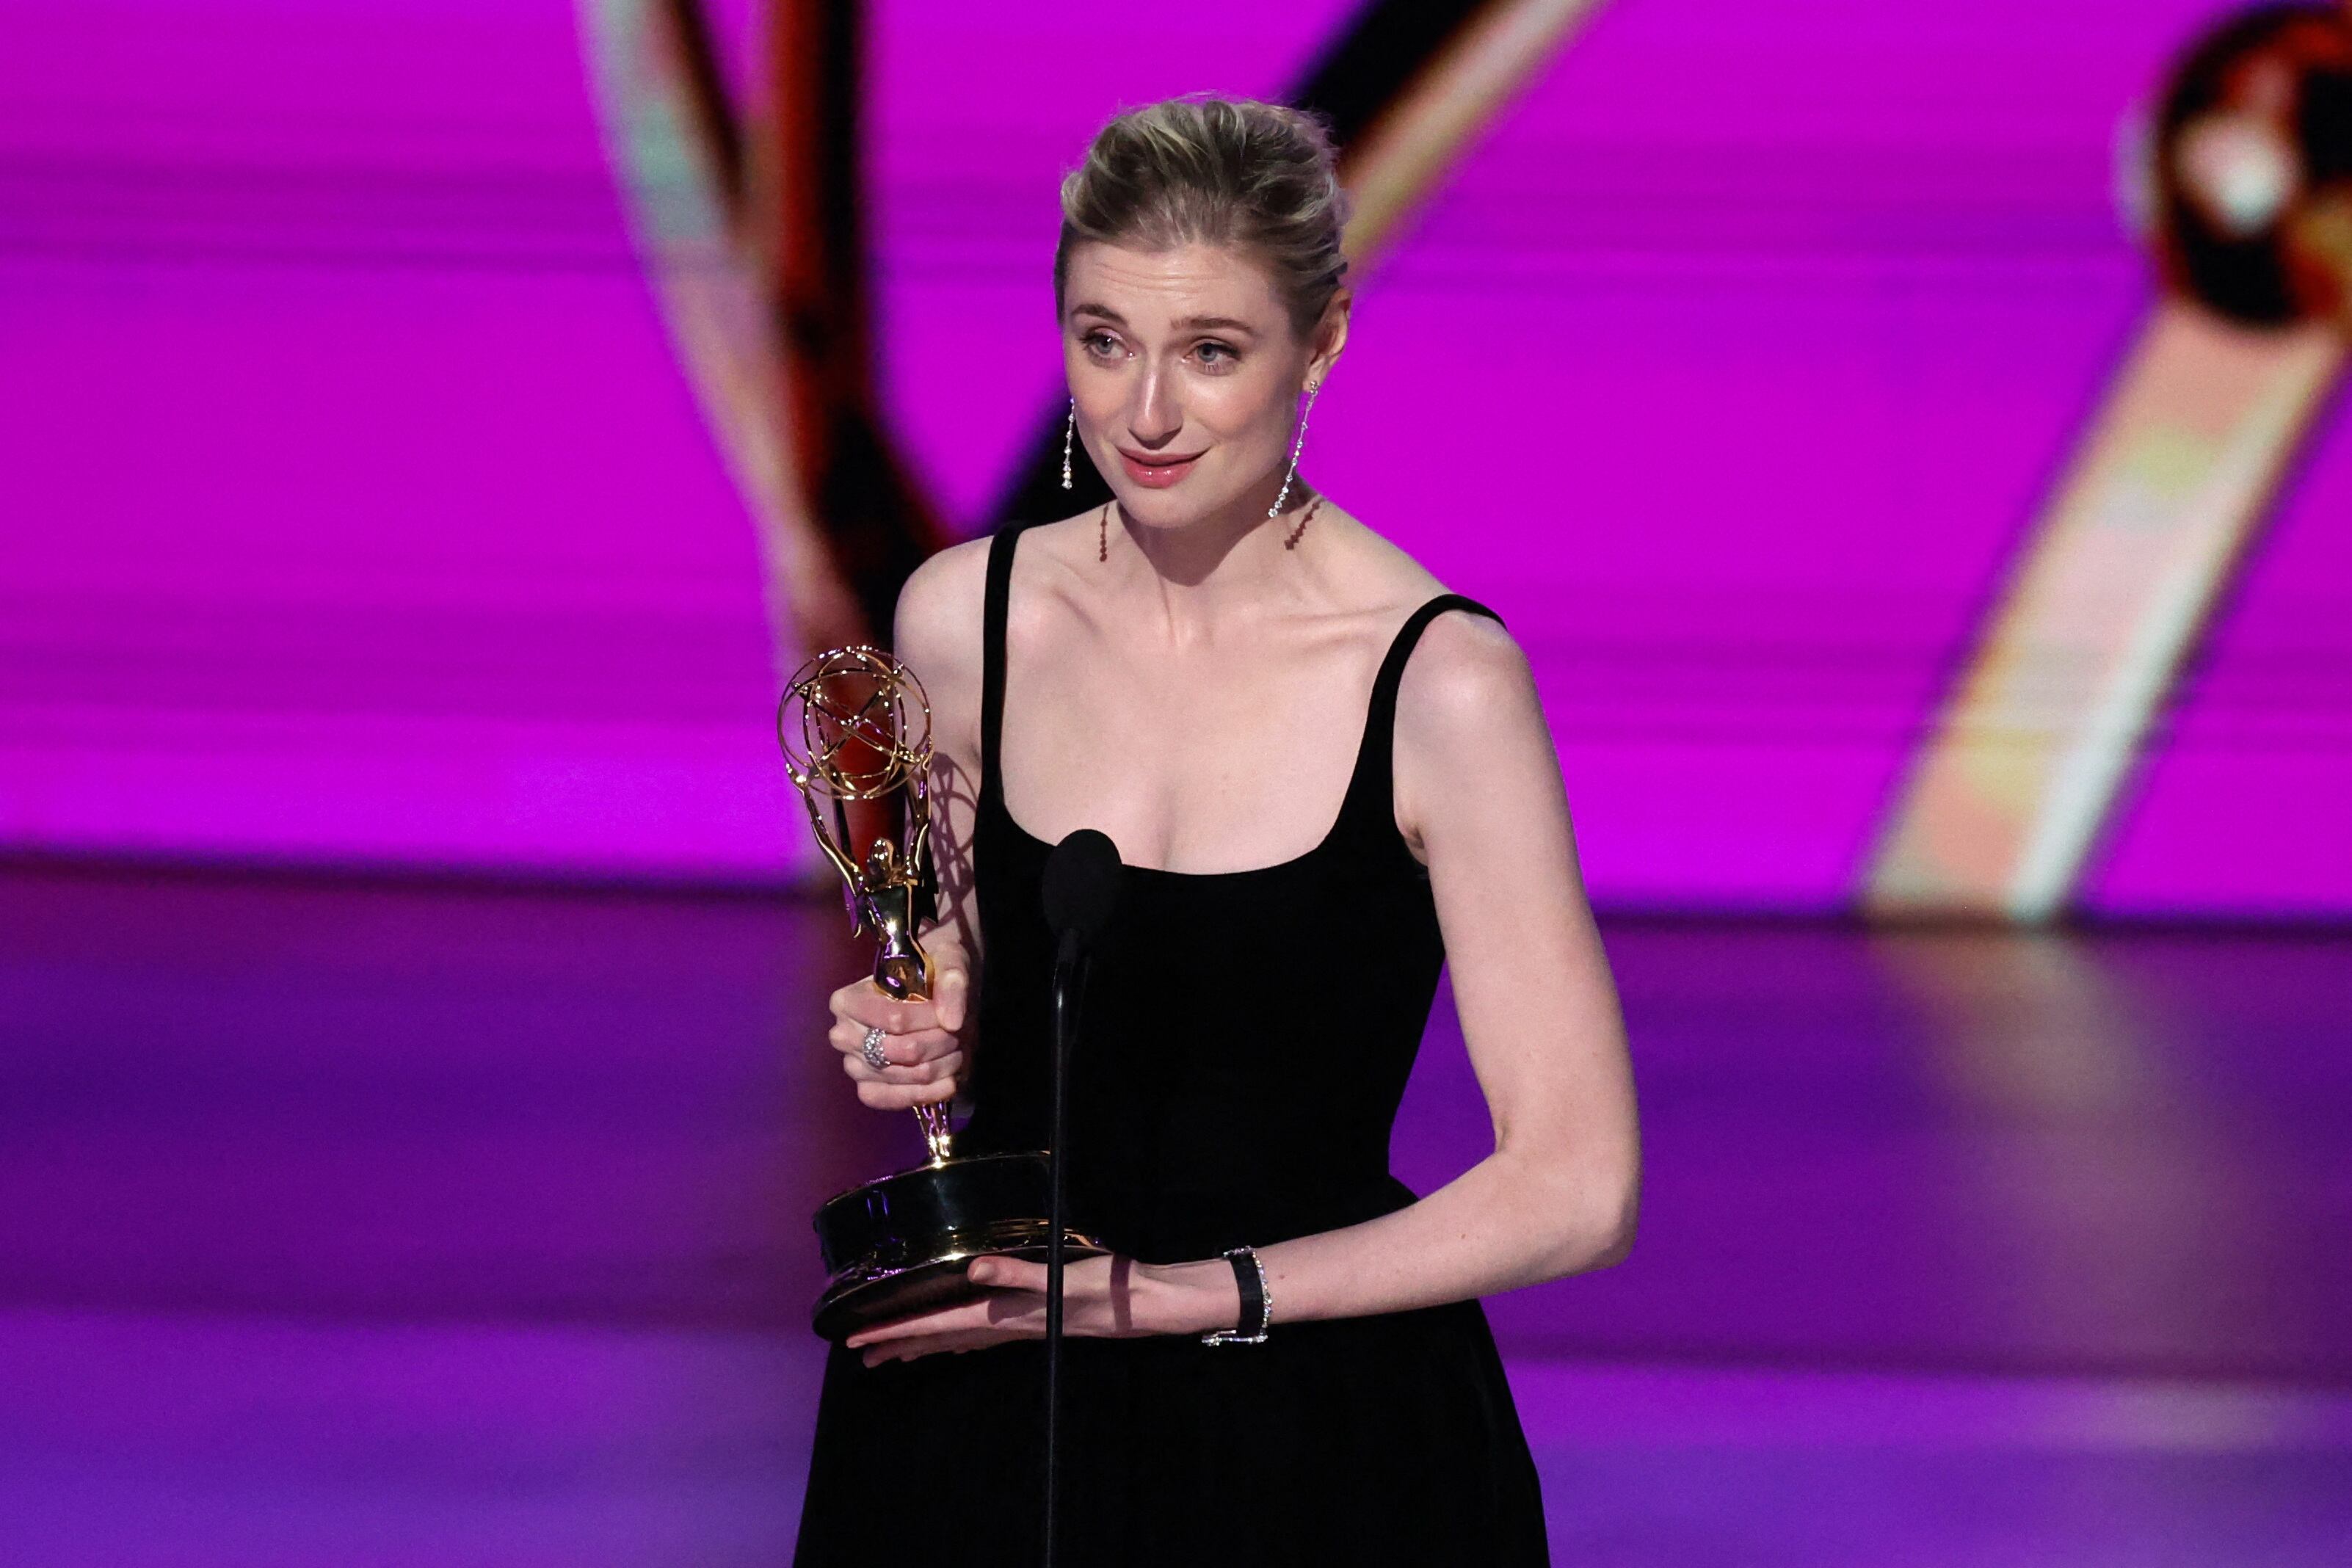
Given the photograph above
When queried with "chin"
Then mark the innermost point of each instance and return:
(1156, 508)
(1179, 506)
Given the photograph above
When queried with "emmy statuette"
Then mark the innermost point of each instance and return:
(854, 726)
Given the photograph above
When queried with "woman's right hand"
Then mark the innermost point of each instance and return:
(923, 1041)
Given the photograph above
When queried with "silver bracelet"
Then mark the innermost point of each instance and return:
(1258, 1301)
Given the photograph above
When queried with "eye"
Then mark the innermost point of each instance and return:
(1099, 343)
(1212, 352)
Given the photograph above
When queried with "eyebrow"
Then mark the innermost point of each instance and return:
(1190, 323)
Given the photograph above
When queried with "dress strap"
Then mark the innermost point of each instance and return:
(1373, 788)
(1392, 675)
(992, 654)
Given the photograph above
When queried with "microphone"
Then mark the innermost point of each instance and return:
(1082, 877)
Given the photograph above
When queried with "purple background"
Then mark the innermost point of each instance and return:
(367, 1222)
(355, 509)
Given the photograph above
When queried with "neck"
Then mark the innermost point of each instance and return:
(1229, 557)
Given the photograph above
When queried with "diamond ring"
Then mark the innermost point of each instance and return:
(876, 1057)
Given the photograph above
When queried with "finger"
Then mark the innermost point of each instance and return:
(939, 1069)
(923, 1045)
(953, 995)
(847, 1035)
(870, 1008)
(967, 1325)
(922, 1075)
(903, 1097)
(932, 1344)
(967, 1316)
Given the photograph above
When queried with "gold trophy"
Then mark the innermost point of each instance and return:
(856, 727)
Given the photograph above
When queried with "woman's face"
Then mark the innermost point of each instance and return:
(1187, 377)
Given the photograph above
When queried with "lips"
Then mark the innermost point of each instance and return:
(1154, 472)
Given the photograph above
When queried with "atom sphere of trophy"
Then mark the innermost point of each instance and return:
(854, 726)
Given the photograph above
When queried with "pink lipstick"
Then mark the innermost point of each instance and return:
(1156, 472)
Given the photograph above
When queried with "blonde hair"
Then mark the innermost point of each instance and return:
(1210, 170)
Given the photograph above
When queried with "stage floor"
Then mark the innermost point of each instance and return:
(372, 1223)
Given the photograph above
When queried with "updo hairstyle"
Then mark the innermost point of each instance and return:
(1207, 170)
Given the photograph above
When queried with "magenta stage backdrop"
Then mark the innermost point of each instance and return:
(353, 508)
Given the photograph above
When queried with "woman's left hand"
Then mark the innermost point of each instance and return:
(1103, 1297)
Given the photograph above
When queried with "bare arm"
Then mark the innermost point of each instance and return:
(937, 635)
(1478, 787)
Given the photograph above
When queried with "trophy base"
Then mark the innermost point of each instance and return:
(901, 1245)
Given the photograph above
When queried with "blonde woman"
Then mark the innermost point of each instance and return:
(1329, 777)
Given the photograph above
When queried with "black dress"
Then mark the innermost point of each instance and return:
(1248, 1034)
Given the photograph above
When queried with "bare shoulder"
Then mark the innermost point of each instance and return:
(1474, 755)
(941, 619)
(1366, 567)
(937, 625)
(938, 631)
(1054, 556)
(1466, 685)
(1053, 573)
(1466, 675)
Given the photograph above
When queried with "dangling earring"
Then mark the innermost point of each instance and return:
(1102, 534)
(1069, 435)
(1276, 509)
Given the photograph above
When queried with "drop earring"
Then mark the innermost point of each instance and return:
(1276, 509)
(1069, 436)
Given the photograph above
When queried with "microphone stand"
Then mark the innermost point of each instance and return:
(1069, 982)
(1080, 885)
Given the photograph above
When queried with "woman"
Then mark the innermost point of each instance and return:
(1329, 777)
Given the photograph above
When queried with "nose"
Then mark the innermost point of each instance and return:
(1156, 415)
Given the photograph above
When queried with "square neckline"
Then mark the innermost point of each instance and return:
(996, 677)
(1330, 834)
